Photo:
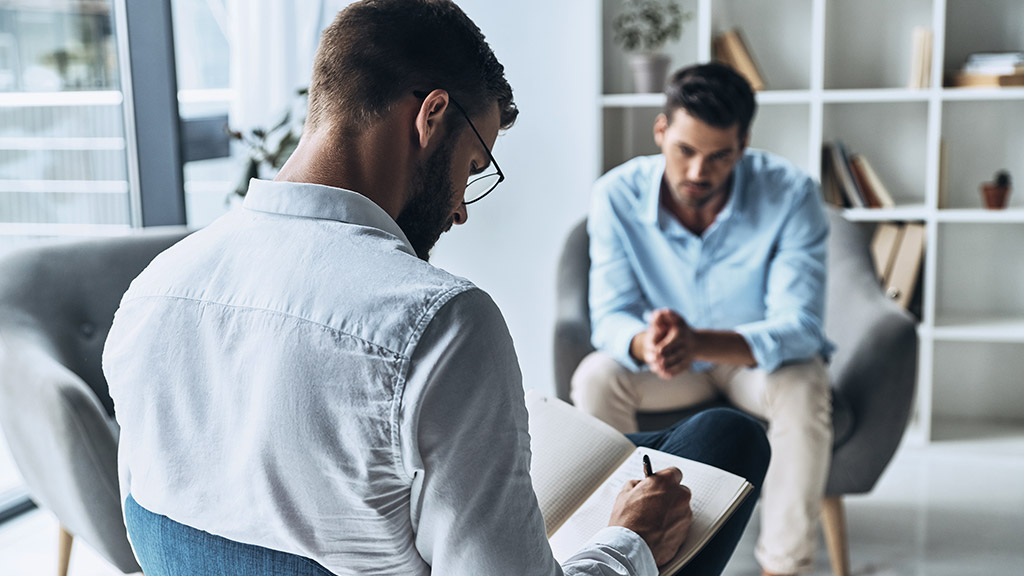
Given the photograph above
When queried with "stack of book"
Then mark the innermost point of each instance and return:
(849, 180)
(730, 49)
(898, 250)
(992, 69)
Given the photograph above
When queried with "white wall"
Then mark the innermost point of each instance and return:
(511, 243)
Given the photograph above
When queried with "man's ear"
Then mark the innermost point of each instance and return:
(428, 119)
(660, 125)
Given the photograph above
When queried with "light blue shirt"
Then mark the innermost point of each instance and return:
(758, 270)
(294, 377)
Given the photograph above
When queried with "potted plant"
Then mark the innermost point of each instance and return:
(643, 28)
(268, 149)
(996, 193)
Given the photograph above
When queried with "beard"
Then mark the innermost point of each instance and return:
(428, 214)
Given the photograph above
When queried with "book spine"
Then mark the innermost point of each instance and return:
(841, 165)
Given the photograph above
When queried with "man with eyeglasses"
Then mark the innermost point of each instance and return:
(300, 392)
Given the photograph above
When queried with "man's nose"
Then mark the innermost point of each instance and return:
(461, 214)
(697, 167)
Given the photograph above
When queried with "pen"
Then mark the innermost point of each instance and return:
(647, 466)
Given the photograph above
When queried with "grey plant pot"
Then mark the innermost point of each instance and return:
(649, 72)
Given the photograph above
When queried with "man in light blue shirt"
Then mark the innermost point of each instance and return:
(708, 279)
(300, 392)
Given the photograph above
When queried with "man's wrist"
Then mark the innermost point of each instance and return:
(636, 348)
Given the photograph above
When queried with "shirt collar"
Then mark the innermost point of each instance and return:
(322, 202)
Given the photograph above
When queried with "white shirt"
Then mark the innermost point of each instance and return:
(293, 377)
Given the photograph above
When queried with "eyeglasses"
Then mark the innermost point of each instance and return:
(479, 185)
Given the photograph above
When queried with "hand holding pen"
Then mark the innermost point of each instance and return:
(657, 508)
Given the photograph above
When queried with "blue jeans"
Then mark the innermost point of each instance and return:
(726, 439)
(167, 548)
(720, 437)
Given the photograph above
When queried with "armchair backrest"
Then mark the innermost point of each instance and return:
(57, 303)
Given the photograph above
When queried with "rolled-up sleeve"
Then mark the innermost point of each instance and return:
(465, 442)
(793, 327)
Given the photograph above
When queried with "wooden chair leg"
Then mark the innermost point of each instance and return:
(833, 520)
(64, 551)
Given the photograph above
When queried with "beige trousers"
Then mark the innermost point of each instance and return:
(795, 400)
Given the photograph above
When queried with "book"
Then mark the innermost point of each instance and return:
(829, 187)
(841, 168)
(872, 184)
(580, 464)
(921, 58)
(884, 245)
(964, 79)
(902, 279)
(870, 200)
(732, 50)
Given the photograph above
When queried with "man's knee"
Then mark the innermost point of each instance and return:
(596, 379)
(738, 442)
(802, 388)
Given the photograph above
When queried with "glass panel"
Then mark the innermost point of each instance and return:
(202, 59)
(63, 169)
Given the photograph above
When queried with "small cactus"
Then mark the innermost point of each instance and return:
(1003, 179)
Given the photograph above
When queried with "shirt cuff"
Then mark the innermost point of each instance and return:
(624, 546)
(622, 340)
(613, 335)
(766, 350)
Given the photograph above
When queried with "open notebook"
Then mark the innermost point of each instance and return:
(580, 464)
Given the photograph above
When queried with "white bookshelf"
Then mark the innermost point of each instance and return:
(838, 69)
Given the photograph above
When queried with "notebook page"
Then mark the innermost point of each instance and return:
(716, 493)
(572, 454)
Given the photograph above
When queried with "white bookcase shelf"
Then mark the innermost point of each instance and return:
(827, 79)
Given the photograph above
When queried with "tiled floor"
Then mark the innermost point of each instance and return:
(952, 508)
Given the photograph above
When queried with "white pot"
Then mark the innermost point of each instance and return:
(649, 72)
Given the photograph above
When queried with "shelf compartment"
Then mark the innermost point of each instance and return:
(784, 129)
(980, 436)
(978, 276)
(628, 132)
(981, 138)
(978, 381)
(616, 75)
(972, 26)
(868, 43)
(892, 136)
(777, 34)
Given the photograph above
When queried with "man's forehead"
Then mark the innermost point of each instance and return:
(685, 126)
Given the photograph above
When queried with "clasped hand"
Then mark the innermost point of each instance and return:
(668, 346)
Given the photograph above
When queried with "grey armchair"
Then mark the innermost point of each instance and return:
(873, 370)
(57, 302)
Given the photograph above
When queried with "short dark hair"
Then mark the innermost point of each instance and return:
(377, 51)
(713, 93)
